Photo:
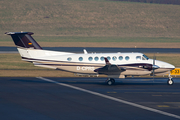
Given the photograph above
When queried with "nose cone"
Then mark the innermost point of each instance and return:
(170, 66)
(165, 65)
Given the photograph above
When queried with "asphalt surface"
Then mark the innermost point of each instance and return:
(99, 50)
(88, 99)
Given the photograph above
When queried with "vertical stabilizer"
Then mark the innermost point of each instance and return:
(24, 40)
(28, 48)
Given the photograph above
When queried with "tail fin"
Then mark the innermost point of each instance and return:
(24, 40)
(29, 49)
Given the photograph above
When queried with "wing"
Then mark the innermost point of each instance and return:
(110, 69)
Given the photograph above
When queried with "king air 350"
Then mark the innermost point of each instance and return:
(114, 65)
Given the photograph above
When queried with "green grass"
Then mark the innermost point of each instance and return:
(85, 21)
(105, 39)
(91, 18)
(14, 62)
(98, 39)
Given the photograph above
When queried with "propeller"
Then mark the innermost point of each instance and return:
(154, 58)
(154, 66)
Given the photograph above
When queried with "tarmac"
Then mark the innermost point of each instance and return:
(79, 98)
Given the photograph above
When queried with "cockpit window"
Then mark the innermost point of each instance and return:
(145, 57)
(138, 57)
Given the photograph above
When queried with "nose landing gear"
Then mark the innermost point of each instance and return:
(170, 80)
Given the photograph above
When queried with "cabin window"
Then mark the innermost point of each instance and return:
(114, 58)
(102, 58)
(127, 58)
(90, 58)
(96, 58)
(138, 57)
(80, 59)
(69, 58)
(120, 58)
(109, 58)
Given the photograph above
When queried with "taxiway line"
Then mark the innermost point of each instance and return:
(112, 98)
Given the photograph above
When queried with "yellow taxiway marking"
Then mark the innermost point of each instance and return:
(162, 105)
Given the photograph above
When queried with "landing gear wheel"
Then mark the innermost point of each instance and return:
(110, 81)
(170, 82)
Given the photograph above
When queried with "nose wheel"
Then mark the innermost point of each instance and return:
(170, 80)
(110, 81)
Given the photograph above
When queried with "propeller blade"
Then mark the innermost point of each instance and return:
(153, 75)
(154, 58)
(154, 66)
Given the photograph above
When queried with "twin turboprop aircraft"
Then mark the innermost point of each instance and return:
(114, 65)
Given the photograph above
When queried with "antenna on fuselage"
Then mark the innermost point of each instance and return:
(85, 52)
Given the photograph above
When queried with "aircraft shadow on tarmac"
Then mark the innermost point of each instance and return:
(96, 81)
(117, 83)
(29, 80)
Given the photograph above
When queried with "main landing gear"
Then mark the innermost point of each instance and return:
(170, 80)
(110, 81)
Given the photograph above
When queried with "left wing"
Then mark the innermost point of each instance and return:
(110, 69)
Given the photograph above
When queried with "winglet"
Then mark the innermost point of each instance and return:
(107, 61)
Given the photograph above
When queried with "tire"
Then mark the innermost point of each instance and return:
(170, 82)
(113, 81)
(109, 82)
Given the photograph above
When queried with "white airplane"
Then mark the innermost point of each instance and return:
(114, 65)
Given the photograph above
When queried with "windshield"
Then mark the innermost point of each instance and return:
(145, 57)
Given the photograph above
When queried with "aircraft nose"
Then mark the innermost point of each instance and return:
(166, 65)
(171, 66)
